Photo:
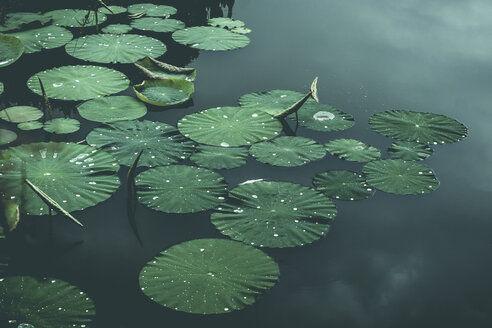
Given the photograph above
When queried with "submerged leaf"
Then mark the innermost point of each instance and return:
(210, 38)
(12, 214)
(75, 17)
(7, 136)
(48, 37)
(112, 109)
(19, 114)
(343, 185)
(28, 126)
(62, 125)
(229, 23)
(152, 10)
(219, 157)
(16, 20)
(409, 151)
(156, 24)
(11, 48)
(164, 92)
(1, 88)
(155, 69)
(352, 150)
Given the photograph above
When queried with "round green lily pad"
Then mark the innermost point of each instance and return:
(428, 128)
(28, 126)
(157, 24)
(343, 185)
(11, 48)
(75, 17)
(75, 176)
(274, 214)
(210, 38)
(400, 177)
(229, 126)
(117, 29)
(180, 189)
(272, 102)
(161, 144)
(7, 136)
(409, 151)
(115, 48)
(229, 23)
(112, 109)
(164, 92)
(217, 158)
(48, 37)
(16, 20)
(115, 10)
(43, 303)
(352, 150)
(152, 10)
(321, 117)
(79, 82)
(208, 276)
(19, 114)
(287, 151)
(62, 125)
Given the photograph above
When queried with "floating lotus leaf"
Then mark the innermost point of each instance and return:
(343, 184)
(219, 157)
(164, 92)
(229, 126)
(16, 20)
(48, 37)
(428, 128)
(7, 136)
(274, 214)
(272, 102)
(27, 126)
(112, 109)
(241, 30)
(210, 38)
(43, 303)
(75, 176)
(352, 150)
(161, 143)
(225, 22)
(11, 48)
(117, 29)
(409, 151)
(208, 276)
(157, 24)
(1, 88)
(287, 151)
(79, 82)
(321, 117)
(400, 177)
(62, 125)
(75, 17)
(159, 70)
(18, 114)
(180, 189)
(115, 10)
(152, 10)
(115, 48)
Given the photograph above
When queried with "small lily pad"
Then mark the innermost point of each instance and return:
(225, 22)
(115, 10)
(152, 10)
(180, 189)
(117, 29)
(157, 24)
(208, 276)
(156, 70)
(75, 17)
(62, 125)
(219, 157)
(210, 38)
(287, 151)
(11, 48)
(28, 126)
(321, 117)
(164, 92)
(7, 136)
(272, 102)
(400, 177)
(343, 185)
(409, 151)
(112, 109)
(48, 37)
(19, 114)
(352, 150)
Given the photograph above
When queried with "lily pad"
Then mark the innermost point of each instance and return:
(428, 128)
(43, 303)
(180, 189)
(11, 48)
(19, 114)
(272, 102)
(115, 48)
(112, 109)
(117, 29)
(352, 150)
(7, 136)
(274, 214)
(152, 10)
(208, 276)
(321, 117)
(28, 126)
(62, 125)
(75, 17)
(164, 92)
(343, 185)
(161, 143)
(225, 22)
(79, 82)
(409, 151)
(157, 24)
(155, 69)
(219, 157)
(400, 177)
(48, 37)
(287, 151)
(115, 10)
(75, 176)
(16, 20)
(229, 126)
(210, 38)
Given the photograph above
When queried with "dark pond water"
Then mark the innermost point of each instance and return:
(389, 261)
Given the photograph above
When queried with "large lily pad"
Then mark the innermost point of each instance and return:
(62, 125)
(159, 70)
(115, 48)
(164, 92)
(11, 48)
(229, 126)
(208, 276)
(43, 303)
(152, 10)
(343, 185)
(112, 109)
(352, 150)
(319, 117)
(117, 29)
(409, 151)
(157, 24)
(274, 214)
(210, 38)
(400, 177)
(287, 151)
(428, 128)
(7, 136)
(180, 189)
(75, 17)
(219, 157)
(48, 37)
(75, 176)
(225, 22)
(161, 143)
(79, 82)
(19, 114)
(16, 20)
